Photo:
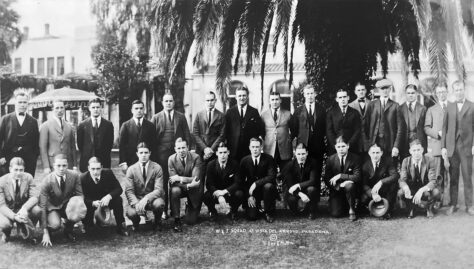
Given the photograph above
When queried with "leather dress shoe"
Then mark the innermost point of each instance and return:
(122, 229)
(164, 216)
(451, 210)
(470, 211)
(269, 218)
(157, 226)
(70, 236)
(213, 216)
(352, 217)
(178, 226)
(411, 214)
(312, 216)
(429, 212)
(233, 216)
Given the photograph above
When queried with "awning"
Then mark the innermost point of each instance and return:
(72, 98)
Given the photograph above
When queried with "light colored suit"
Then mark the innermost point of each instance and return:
(208, 135)
(28, 194)
(53, 141)
(277, 133)
(427, 173)
(138, 187)
(434, 124)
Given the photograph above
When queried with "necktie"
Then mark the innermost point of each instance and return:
(255, 165)
(301, 168)
(411, 107)
(417, 173)
(139, 124)
(209, 118)
(61, 123)
(144, 170)
(169, 117)
(310, 111)
(444, 106)
(343, 112)
(183, 163)
(96, 180)
(63, 183)
(96, 123)
(222, 166)
(275, 115)
(241, 113)
(311, 119)
(342, 164)
(17, 189)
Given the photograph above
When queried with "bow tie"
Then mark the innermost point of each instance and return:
(21, 114)
(362, 100)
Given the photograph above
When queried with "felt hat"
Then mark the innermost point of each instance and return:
(378, 209)
(76, 209)
(26, 230)
(102, 215)
(383, 83)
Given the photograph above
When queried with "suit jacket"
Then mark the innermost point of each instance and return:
(428, 172)
(420, 114)
(9, 126)
(465, 131)
(130, 136)
(138, 187)
(355, 105)
(351, 171)
(278, 133)
(348, 127)
(193, 168)
(218, 179)
(372, 124)
(108, 184)
(265, 173)
(386, 172)
(87, 144)
(252, 126)
(433, 124)
(28, 194)
(52, 198)
(53, 141)
(208, 135)
(292, 174)
(314, 139)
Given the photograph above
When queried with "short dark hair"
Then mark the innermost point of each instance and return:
(94, 160)
(138, 102)
(257, 139)
(21, 92)
(275, 93)
(222, 145)
(17, 161)
(360, 83)
(60, 156)
(340, 139)
(375, 145)
(309, 86)
(143, 145)
(243, 88)
(209, 92)
(301, 146)
(168, 93)
(342, 90)
(415, 142)
(411, 86)
(180, 139)
(95, 100)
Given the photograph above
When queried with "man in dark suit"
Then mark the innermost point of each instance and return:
(360, 104)
(186, 180)
(310, 125)
(57, 189)
(208, 128)
(258, 172)
(223, 183)
(134, 131)
(95, 137)
(56, 136)
(278, 123)
(18, 199)
(102, 190)
(342, 176)
(382, 125)
(344, 121)
(418, 181)
(242, 122)
(458, 145)
(144, 188)
(379, 179)
(412, 120)
(169, 126)
(19, 135)
(300, 176)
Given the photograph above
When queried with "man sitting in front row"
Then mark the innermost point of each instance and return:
(144, 188)
(300, 176)
(418, 181)
(102, 190)
(258, 170)
(18, 198)
(223, 183)
(379, 179)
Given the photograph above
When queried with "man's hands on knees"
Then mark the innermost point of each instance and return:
(46, 242)
(140, 206)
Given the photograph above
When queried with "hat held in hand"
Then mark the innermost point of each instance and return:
(378, 209)
(76, 209)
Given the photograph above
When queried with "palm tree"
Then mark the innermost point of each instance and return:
(10, 36)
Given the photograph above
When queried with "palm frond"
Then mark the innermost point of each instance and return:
(268, 26)
(282, 26)
(423, 15)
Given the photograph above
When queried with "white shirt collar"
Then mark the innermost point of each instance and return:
(14, 182)
(59, 121)
(256, 158)
(243, 108)
(59, 179)
(98, 120)
(20, 116)
(138, 120)
(310, 105)
(416, 163)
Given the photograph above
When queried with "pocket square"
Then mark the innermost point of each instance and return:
(231, 175)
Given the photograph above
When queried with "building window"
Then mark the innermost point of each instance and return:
(41, 66)
(60, 66)
(72, 64)
(17, 65)
(32, 65)
(234, 85)
(50, 66)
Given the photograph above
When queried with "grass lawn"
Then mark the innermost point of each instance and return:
(288, 242)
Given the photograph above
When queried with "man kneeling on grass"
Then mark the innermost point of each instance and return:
(18, 201)
(144, 189)
(418, 181)
(102, 191)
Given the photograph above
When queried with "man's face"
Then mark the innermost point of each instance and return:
(360, 91)
(416, 152)
(137, 110)
(309, 95)
(441, 93)
(222, 154)
(21, 103)
(341, 148)
(143, 155)
(60, 166)
(384, 91)
(168, 102)
(342, 99)
(411, 95)
(375, 154)
(458, 90)
(95, 169)
(58, 109)
(95, 109)
(242, 97)
(275, 102)
(301, 155)
(181, 149)
(255, 148)
(16, 170)
(210, 101)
